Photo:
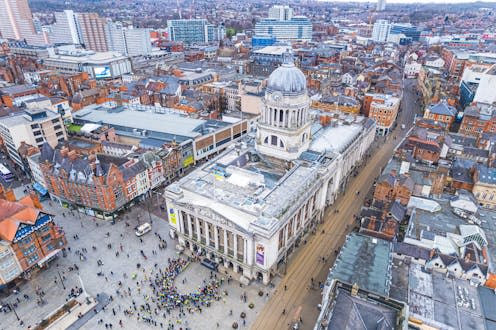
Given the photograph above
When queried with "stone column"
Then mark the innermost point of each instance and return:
(207, 235)
(216, 236)
(198, 233)
(225, 242)
(285, 235)
(249, 252)
(190, 228)
(235, 244)
(245, 248)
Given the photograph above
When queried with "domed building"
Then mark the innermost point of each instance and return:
(284, 127)
(247, 208)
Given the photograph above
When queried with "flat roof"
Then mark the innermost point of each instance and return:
(272, 50)
(91, 58)
(248, 189)
(167, 123)
(364, 260)
(440, 301)
(18, 118)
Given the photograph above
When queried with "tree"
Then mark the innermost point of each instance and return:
(230, 32)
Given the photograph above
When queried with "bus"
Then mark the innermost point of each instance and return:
(6, 174)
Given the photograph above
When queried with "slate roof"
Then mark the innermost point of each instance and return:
(133, 170)
(398, 211)
(356, 313)
(486, 174)
(442, 108)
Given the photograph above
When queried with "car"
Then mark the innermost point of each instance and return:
(143, 229)
(212, 265)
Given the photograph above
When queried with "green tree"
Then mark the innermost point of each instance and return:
(230, 32)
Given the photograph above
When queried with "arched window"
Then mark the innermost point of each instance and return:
(266, 140)
(281, 145)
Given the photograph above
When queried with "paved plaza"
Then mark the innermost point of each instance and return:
(120, 251)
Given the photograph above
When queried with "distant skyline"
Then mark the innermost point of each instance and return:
(414, 1)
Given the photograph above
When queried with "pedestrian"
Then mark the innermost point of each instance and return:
(285, 288)
(284, 311)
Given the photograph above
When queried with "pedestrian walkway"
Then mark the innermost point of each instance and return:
(102, 301)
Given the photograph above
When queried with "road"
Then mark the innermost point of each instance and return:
(299, 299)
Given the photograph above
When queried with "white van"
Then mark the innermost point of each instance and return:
(143, 229)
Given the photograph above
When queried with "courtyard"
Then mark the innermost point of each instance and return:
(111, 260)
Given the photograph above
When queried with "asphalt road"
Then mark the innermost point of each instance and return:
(300, 300)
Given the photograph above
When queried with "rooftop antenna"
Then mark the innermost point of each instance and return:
(179, 9)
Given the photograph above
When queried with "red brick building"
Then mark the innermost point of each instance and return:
(478, 119)
(441, 112)
(85, 182)
(391, 187)
(427, 151)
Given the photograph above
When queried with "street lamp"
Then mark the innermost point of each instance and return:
(13, 309)
(61, 280)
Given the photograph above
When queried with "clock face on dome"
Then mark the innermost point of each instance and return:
(277, 96)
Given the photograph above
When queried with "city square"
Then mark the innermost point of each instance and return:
(119, 250)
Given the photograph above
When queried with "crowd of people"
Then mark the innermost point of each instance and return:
(167, 293)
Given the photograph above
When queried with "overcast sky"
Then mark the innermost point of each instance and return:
(413, 1)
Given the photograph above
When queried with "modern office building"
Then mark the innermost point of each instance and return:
(114, 32)
(263, 40)
(381, 5)
(381, 30)
(34, 127)
(247, 208)
(298, 28)
(281, 13)
(128, 41)
(138, 42)
(194, 31)
(406, 29)
(486, 89)
(91, 29)
(64, 30)
(16, 22)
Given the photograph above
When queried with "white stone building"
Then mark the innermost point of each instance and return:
(249, 207)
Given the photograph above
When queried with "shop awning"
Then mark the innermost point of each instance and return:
(48, 257)
(40, 189)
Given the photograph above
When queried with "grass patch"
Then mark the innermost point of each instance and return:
(73, 128)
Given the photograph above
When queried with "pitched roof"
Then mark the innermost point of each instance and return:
(442, 108)
(13, 214)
